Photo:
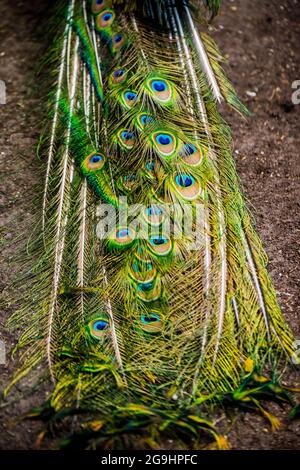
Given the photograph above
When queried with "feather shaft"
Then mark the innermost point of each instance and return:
(56, 107)
(204, 61)
(255, 278)
(61, 218)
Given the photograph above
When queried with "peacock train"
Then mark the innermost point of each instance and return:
(149, 305)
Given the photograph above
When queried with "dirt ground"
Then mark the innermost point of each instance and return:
(261, 39)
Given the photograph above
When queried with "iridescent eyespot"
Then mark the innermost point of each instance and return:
(122, 237)
(154, 215)
(141, 271)
(104, 20)
(142, 120)
(98, 5)
(118, 76)
(165, 143)
(149, 291)
(129, 98)
(151, 322)
(118, 41)
(97, 327)
(187, 186)
(160, 245)
(161, 90)
(191, 154)
(93, 162)
(126, 139)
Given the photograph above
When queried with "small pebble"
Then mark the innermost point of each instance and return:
(252, 94)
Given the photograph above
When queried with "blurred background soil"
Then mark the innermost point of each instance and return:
(261, 41)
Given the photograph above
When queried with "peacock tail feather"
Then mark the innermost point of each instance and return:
(140, 322)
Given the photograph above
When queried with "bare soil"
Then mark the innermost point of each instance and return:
(261, 40)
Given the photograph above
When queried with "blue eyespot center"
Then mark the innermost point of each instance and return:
(159, 86)
(130, 96)
(189, 149)
(145, 287)
(123, 233)
(107, 16)
(185, 181)
(153, 211)
(118, 38)
(151, 318)
(157, 241)
(127, 135)
(119, 73)
(100, 325)
(96, 159)
(145, 119)
(164, 139)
